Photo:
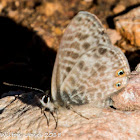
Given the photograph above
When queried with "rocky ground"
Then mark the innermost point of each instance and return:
(30, 33)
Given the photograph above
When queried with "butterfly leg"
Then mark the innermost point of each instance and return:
(43, 111)
(55, 118)
(78, 113)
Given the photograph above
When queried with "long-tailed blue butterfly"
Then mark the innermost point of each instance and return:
(88, 69)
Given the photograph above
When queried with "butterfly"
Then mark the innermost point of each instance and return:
(88, 69)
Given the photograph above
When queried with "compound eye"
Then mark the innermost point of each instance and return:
(120, 73)
(45, 99)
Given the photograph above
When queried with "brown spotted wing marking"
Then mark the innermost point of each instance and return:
(93, 79)
(86, 63)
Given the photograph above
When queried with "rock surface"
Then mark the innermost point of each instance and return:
(129, 27)
(23, 118)
(129, 98)
(119, 8)
(22, 121)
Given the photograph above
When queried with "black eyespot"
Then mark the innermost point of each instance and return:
(121, 72)
(118, 84)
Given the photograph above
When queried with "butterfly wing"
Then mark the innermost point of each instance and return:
(94, 78)
(84, 30)
(82, 47)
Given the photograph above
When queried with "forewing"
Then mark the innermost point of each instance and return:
(85, 32)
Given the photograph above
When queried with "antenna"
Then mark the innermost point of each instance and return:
(14, 85)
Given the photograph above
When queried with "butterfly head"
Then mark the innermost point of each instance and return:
(46, 102)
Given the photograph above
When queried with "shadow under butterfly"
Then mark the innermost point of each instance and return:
(88, 69)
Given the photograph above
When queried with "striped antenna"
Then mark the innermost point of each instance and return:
(13, 85)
